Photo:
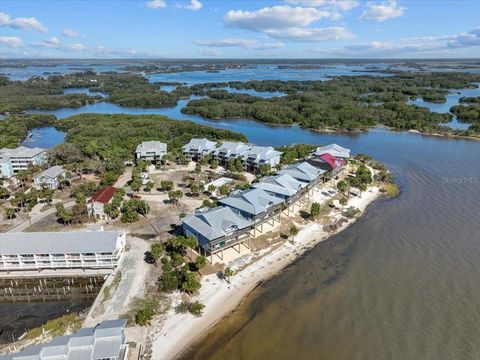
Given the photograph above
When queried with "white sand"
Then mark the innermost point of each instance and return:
(220, 298)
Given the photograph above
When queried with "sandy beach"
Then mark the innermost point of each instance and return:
(172, 333)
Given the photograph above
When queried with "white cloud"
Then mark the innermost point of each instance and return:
(211, 52)
(11, 41)
(342, 5)
(55, 43)
(243, 43)
(411, 47)
(102, 51)
(291, 23)
(193, 5)
(311, 34)
(382, 11)
(275, 17)
(156, 4)
(21, 23)
(69, 33)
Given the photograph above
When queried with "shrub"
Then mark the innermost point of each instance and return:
(143, 316)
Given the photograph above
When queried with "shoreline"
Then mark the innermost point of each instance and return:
(178, 332)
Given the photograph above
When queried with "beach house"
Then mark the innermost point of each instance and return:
(283, 186)
(262, 208)
(334, 150)
(303, 172)
(217, 229)
(105, 341)
(230, 150)
(152, 151)
(328, 163)
(99, 199)
(254, 204)
(257, 156)
(49, 178)
(198, 148)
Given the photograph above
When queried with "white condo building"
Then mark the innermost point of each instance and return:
(152, 151)
(14, 160)
(61, 250)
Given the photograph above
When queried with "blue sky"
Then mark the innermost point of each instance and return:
(240, 29)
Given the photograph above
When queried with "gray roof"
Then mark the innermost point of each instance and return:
(52, 172)
(302, 171)
(334, 150)
(86, 344)
(21, 151)
(199, 145)
(216, 222)
(280, 184)
(151, 146)
(232, 148)
(252, 201)
(262, 153)
(58, 242)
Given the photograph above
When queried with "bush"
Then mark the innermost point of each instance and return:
(143, 316)
(351, 212)
(195, 308)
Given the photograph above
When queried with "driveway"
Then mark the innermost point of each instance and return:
(37, 217)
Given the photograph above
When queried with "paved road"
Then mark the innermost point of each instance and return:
(38, 217)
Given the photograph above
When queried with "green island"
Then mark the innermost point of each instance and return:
(346, 103)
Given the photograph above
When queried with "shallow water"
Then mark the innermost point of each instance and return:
(452, 99)
(402, 283)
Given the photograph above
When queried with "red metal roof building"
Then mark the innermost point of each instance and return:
(104, 195)
(332, 161)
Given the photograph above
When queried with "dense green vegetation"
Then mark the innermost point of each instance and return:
(471, 99)
(38, 93)
(47, 93)
(342, 104)
(468, 111)
(15, 128)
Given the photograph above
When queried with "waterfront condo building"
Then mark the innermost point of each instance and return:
(230, 150)
(106, 341)
(217, 229)
(14, 160)
(49, 178)
(257, 156)
(198, 148)
(283, 186)
(152, 151)
(303, 172)
(334, 150)
(254, 204)
(60, 250)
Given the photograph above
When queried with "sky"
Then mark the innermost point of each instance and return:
(240, 29)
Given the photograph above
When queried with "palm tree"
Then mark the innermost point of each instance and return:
(293, 232)
(362, 187)
(228, 273)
